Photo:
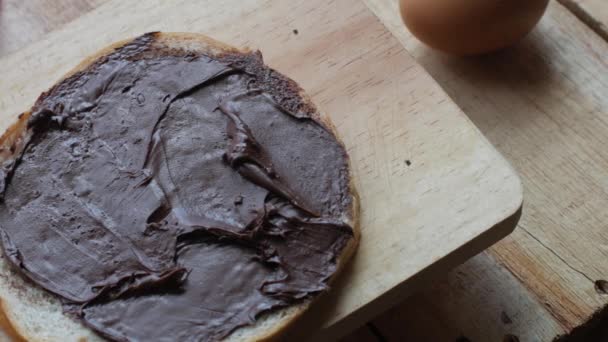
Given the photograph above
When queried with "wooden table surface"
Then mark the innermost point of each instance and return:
(544, 105)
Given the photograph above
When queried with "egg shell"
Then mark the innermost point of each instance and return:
(468, 27)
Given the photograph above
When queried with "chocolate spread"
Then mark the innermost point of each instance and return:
(170, 195)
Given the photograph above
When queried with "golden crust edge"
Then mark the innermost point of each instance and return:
(16, 133)
(7, 326)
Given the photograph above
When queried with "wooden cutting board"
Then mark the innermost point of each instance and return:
(433, 191)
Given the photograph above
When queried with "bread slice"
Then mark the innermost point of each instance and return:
(28, 312)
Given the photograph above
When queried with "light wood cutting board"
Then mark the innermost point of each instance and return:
(433, 191)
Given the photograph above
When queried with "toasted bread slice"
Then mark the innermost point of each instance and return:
(30, 313)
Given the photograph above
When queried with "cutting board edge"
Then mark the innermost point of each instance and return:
(427, 275)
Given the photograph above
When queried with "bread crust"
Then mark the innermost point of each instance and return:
(13, 140)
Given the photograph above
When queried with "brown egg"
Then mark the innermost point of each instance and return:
(468, 27)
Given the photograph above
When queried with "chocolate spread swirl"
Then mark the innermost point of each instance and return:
(167, 195)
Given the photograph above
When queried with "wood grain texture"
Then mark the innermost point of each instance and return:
(592, 12)
(543, 104)
(479, 300)
(433, 191)
(23, 22)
